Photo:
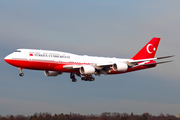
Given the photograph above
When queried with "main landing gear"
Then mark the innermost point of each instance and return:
(85, 78)
(72, 76)
(21, 73)
(88, 78)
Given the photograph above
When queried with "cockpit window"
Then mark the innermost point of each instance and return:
(17, 51)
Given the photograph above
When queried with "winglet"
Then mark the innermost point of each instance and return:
(149, 50)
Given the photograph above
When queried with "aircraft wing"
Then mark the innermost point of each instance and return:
(130, 63)
(97, 66)
(104, 64)
(136, 62)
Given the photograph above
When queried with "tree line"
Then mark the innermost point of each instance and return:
(103, 116)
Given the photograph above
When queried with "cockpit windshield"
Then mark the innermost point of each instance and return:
(17, 51)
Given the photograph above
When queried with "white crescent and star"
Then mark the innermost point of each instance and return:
(147, 48)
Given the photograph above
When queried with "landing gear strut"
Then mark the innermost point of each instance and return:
(88, 78)
(72, 76)
(21, 73)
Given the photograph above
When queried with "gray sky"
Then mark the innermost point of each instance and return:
(101, 28)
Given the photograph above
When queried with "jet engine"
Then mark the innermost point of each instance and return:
(52, 73)
(87, 69)
(120, 67)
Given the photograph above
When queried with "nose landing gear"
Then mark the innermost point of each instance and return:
(21, 73)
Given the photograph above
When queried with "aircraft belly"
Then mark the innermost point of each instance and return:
(19, 63)
(40, 65)
(32, 64)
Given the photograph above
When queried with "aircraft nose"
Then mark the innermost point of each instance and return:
(8, 57)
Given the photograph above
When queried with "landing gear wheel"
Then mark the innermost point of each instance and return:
(92, 79)
(88, 78)
(74, 80)
(21, 74)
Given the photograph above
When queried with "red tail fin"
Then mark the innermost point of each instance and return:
(149, 50)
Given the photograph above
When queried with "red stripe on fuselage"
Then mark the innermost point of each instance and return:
(58, 66)
(41, 65)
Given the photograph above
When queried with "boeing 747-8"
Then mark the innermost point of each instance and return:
(54, 63)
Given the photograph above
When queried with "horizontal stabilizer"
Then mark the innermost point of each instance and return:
(157, 63)
(135, 62)
(165, 57)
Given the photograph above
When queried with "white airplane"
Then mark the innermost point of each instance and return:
(54, 63)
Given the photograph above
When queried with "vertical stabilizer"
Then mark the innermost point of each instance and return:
(149, 50)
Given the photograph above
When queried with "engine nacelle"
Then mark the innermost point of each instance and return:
(122, 67)
(52, 73)
(87, 69)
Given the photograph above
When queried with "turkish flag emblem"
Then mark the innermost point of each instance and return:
(30, 54)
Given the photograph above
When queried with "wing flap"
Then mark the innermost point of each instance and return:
(71, 67)
(104, 64)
